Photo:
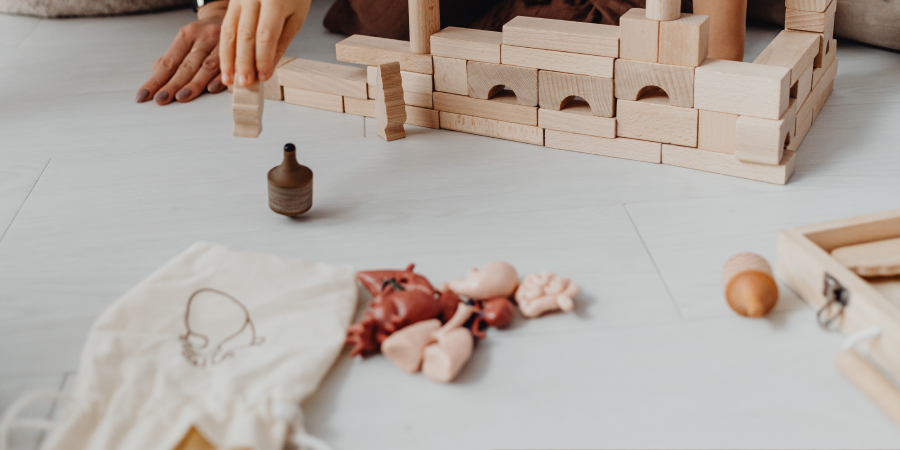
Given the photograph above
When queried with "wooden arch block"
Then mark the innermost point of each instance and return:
(486, 80)
(390, 109)
(558, 89)
(635, 78)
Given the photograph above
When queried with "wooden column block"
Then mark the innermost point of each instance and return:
(562, 35)
(502, 107)
(826, 55)
(801, 89)
(725, 164)
(638, 36)
(374, 51)
(271, 87)
(617, 148)
(450, 76)
(328, 78)
(808, 5)
(247, 109)
(486, 80)
(742, 88)
(468, 44)
(652, 119)
(558, 89)
(763, 140)
(577, 118)
(318, 100)
(634, 78)
(795, 50)
(684, 41)
(717, 131)
(492, 128)
(424, 21)
(414, 115)
(417, 87)
(595, 66)
(816, 22)
(663, 9)
(390, 110)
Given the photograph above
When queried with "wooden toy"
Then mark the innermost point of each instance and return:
(632, 149)
(503, 107)
(827, 52)
(750, 289)
(373, 51)
(390, 110)
(290, 185)
(543, 292)
(795, 50)
(635, 78)
(424, 21)
(422, 117)
(594, 66)
(803, 87)
(247, 109)
(562, 35)
(559, 89)
(271, 87)
(763, 140)
(808, 5)
(450, 76)
(725, 164)
(684, 41)
(327, 78)
(417, 87)
(443, 360)
(638, 36)
(742, 88)
(318, 100)
(653, 119)
(496, 279)
(717, 131)
(871, 259)
(492, 128)
(814, 21)
(577, 118)
(466, 44)
(663, 9)
(486, 80)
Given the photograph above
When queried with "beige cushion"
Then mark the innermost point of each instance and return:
(80, 8)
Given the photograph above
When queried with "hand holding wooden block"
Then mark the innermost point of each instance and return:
(247, 109)
(390, 108)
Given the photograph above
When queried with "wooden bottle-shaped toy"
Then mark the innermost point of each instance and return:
(749, 286)
(290, 185)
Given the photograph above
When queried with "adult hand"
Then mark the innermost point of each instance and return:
(255, 35)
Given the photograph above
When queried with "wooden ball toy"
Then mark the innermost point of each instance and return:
(750, 289)
(290, 185)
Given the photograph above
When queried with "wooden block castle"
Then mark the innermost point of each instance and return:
(644, 90)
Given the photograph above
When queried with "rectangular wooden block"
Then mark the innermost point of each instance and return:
(823, 89)
(374, 51)
(417, 87)
(617, 148)
(634, 77)
(414, 115)
(359, 107)
(558, 89)
(492, 128)
(652, 119)
(247, 110)
(486, 79)
(684, 41)
(795, 50)
(327, 78)
(318, 100)
(816, 22)
(763, 140)
(468, 44)
(562, 35)
(450, 76)
(801, 89)
(826, 55)
(808, 5)
(271, 87)
(717, 131)
(638, 36)
(595, 66)
(801, 128)
(725, 164)
(502, 107)
(577, 118)
(742, 88)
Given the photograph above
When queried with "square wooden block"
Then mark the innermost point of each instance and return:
(450, 75)
(684, 41)
(653, 119)
(763, 140)
(717, 131)
(638, 36)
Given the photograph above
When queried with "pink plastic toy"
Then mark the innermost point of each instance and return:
(497, 279)
(543, 292)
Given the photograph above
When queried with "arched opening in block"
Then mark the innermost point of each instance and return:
(655, 94)
(572, 101)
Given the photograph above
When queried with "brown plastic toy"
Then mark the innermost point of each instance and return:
(290, 185)
(750, 288)
(498, 312)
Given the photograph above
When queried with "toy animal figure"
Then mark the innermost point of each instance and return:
(543, 292)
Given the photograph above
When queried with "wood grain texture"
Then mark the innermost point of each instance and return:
(716, 131)
(450, 76)
(638, 36)
(808, 5)
(317, 100)
(492, 128)
(634, 78)
(684, 41)
(802, 123)
(816, 22)
(617, 148)
(823, 89)
(742, 88)
(795, 50)
(327, 78)
(502, 107)
(558, 89)
(486, 80)
(826, 54)
(467, 44)
(595, 66)
(577, 117)
(801, 89)
(271, 87)
(663, 10)
(870, 380)
(424, 21)
(390, 109)
(247, 110)
(725, 164)
(373, 51)
(652, 119)
(562, 35)
(415, 115)
(359, 107)
(763, 140)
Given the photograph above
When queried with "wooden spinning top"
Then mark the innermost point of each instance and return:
(290, 185)
(749, 287)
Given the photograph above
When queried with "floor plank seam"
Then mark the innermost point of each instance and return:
(29, 33)
(11, 222)
(653, 261)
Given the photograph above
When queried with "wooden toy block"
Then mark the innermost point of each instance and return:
(359, 107)
(741, 88)
(327, 78)
(763, 140)
(486, 80)
(684, 41)
(562, 35)
(823, 89)
(424, 21)
(247, 109)
(808, 5)
(634, 78)
(416, 87)
(318, 100)
(503, 107)
(271, 87)
(801, 89)
(577, 117)
(468, 44)
(795, 50)
(801, 128)
(652, 119)
(374, 51)
(558, 89)
(717, 131)
(595, 66)
(826, 55)
(725, 164)
(450, 76)
(414, 115)
(390, 110)
(816, 22)
(638, 36)
(492, 128)
(617, 148)
(663, 9)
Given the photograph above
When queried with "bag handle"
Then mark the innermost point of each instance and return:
(868, 378)
(11, 420)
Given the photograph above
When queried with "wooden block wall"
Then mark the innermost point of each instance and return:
(594, 66)
(632, 149)
(562, 35)
(374, 51)
(467, 44)
(492, 128)
(742, 88)
(486, 80)
(558, 89)
(577, 118)
(652, 119)
(633, 78)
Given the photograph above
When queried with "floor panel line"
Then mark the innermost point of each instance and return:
(656, 267)
(23, 201)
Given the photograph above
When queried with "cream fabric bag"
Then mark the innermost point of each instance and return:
(226, 341)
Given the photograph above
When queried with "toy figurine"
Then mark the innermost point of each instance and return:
(749, 287)
(498, 312)
(290, 185)
(497, 279)
(543, 292)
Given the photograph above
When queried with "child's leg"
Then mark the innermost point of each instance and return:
(727, 27)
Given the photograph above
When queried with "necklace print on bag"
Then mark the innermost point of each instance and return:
(217, 325)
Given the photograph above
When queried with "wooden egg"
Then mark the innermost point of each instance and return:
(750, 289)
(290, 185)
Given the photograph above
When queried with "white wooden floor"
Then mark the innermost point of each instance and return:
(96, 192)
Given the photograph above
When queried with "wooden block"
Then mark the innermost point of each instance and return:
(247, 109)
(271, 87)
(652, 119)
(823, 89)
(595, 66)
(424, 21)
(801, 89)
(450, 76)
(871, 259)
(390, 110)
(468, 44)
(318, 100)
(634, 78)
(816, 22)
(826, 55)
(808, 5)
(486, 80)
(617, 148)
(558, 89)
(741, 88)
(359, 107)
(795, 50)
(327, 78)
(638, 36)
(802, 123)
(562, 35)
(492, 128)
(684, 41)
(717, 131)
(663, 9)
(502, 107)
(577, 117)
(763, 140)
(725, 164)
(414, 115)
(417, 87)
(374, 51)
